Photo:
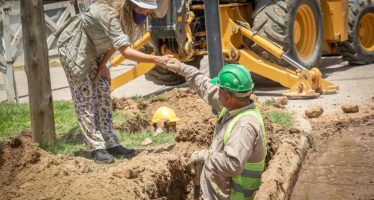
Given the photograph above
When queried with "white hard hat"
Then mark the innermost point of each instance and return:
(147, 4)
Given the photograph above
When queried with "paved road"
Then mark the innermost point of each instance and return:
(356, 84)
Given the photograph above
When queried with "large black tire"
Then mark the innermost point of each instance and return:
(274, 20)
(359, 50)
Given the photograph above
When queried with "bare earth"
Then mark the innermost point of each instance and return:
(29, 172)
(341, 164)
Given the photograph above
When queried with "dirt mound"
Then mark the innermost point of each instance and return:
(196, 124)
(28, 172)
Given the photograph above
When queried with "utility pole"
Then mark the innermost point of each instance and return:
(37, 71)
(213, 35)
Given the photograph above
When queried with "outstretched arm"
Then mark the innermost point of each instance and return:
(197, 81)
(138, 56)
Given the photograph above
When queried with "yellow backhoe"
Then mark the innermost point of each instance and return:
(282, 40)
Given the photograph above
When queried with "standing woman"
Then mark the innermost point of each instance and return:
(85, 45)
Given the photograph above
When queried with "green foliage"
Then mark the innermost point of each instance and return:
(161, 97)
(280, 117)
(135, 139)
(119, 118)
(138, 99)
(63, 146)
(13, 119)
(269, 102)
(65, 119)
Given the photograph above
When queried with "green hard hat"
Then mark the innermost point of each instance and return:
(234, 77)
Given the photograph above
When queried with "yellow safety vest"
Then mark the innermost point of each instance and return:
(244, 185)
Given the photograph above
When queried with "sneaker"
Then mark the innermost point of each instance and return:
(121, 151)
(102, 156)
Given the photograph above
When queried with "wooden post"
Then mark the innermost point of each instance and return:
(37, 71)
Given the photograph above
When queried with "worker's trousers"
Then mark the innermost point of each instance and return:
(93, 107)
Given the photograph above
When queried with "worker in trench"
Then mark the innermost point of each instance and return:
(236, 158)
(164, 120)
(85, 44)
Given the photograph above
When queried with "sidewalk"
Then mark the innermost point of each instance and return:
(61, 90)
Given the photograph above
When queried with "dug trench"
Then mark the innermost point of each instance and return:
(162, 172)
(340, 165)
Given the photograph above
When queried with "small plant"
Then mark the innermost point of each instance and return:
(280, 117)
(161, 97)
(135, 140)
(138, 99)
(269, 102)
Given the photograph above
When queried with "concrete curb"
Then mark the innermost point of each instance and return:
(278, 180)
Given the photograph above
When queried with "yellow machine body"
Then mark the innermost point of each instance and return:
(335, 20)
(234, 21)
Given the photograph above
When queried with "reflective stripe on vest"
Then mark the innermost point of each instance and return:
(244, 185)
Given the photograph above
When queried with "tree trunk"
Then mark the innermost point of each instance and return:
(37, 71)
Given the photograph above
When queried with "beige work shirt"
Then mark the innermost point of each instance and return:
(89, 33)
(244, 145)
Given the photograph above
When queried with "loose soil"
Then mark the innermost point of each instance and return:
(341, 163)
(29, 172)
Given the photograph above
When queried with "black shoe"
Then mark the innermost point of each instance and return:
(102, 156)
(121, 151)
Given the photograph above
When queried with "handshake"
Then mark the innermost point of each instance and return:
(172, 64)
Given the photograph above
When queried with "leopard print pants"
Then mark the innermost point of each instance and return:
(93, 106)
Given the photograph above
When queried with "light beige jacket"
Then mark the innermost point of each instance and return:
(86, 35)
(244, 145)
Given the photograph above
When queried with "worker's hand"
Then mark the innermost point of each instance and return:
(198, 156)
(161, 126)
(174, 65)
(104, 72)
(162, 60)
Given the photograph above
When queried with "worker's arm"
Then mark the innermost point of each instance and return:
(135, 55)
(239, 147)
(197, 81)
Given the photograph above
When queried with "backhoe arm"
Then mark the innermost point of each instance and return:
(302, 83)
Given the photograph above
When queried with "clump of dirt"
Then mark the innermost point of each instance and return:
(328, 126)
(313, 111)
(137, 123)
(198, 132)
(27, 171)
(136, 119)
(350, 108)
